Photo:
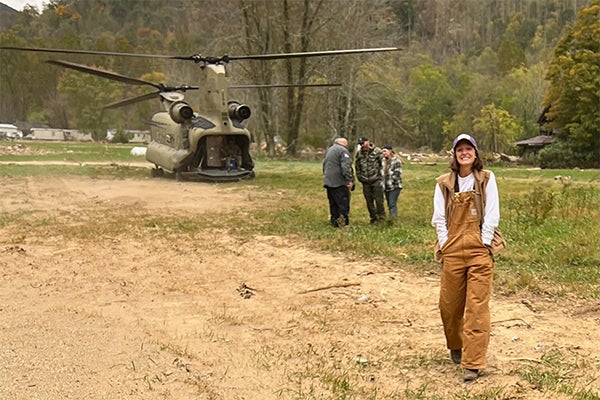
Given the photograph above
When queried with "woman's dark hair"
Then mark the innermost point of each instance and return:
(477, 164)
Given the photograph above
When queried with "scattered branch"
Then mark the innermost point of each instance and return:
(535, 360)
(512, 319)
(335, 285)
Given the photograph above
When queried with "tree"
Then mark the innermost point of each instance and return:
(429, 104)
(257, 38)
(25, 80)
(86, 95)
(495, 128)
(509, 56)
(521, 92)
(295, 96)
(574, 91)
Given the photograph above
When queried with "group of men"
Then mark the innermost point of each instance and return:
(378, 170)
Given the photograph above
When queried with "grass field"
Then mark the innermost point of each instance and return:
(552, 226)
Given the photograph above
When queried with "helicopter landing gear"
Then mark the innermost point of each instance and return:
(178, 176)
(157, 172)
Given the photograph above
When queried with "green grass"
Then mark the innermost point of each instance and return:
(556, 372)
(61, 151)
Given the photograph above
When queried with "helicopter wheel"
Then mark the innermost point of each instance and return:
(157, 172)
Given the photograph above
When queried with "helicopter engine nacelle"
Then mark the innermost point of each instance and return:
(180, 112)
(239, 111)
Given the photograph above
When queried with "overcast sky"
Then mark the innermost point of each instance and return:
(19, 4)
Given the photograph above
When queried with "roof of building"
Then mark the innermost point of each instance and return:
(540, 140)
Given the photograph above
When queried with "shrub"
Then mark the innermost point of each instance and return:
(121, 137)
(562, 155)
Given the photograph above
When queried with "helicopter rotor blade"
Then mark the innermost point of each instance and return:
(104, 74)
(197, 58)
(131, 100)
(283, 85)
(311, 54)
(149, 96)
(92, 52)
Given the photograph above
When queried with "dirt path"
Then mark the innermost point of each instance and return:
(213, 316)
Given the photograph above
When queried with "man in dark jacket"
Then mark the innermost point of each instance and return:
(339, 181)
(368, 171)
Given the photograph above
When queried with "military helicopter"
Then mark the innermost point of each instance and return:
(211, 146)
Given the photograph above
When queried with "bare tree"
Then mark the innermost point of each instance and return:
(258, 33)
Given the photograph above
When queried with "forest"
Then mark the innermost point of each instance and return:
(503, 70)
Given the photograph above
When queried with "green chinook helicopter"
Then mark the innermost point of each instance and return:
(211, 146)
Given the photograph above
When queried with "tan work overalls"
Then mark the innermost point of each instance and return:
(466, 284)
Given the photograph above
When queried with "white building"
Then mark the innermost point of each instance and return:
(10, 131)
(60, 134)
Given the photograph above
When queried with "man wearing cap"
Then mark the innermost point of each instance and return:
(369, 161)
(339, 181)
(465, 215)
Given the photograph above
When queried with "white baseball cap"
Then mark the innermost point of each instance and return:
(466, 137)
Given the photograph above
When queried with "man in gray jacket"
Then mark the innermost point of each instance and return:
(339, 181)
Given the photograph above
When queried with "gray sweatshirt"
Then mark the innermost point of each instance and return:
(337, 167)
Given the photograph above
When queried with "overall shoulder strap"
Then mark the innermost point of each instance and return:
(481, 179)
(447, 182)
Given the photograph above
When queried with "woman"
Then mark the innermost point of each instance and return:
(392, 179)
(466, 212)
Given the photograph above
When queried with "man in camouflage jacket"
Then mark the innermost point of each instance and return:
(368, 171)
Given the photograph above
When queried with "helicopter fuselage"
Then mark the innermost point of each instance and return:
(213, 145)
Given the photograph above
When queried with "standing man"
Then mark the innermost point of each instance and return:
(368, 171)
(339, 181)
(392, 179)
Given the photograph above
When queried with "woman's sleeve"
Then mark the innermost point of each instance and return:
(491, 214)
(397, 171)
(438, 221)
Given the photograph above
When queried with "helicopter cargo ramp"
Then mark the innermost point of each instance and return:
(216, 175)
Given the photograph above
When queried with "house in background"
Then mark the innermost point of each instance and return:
(10, 131)
(535, 144)
(60, 134)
